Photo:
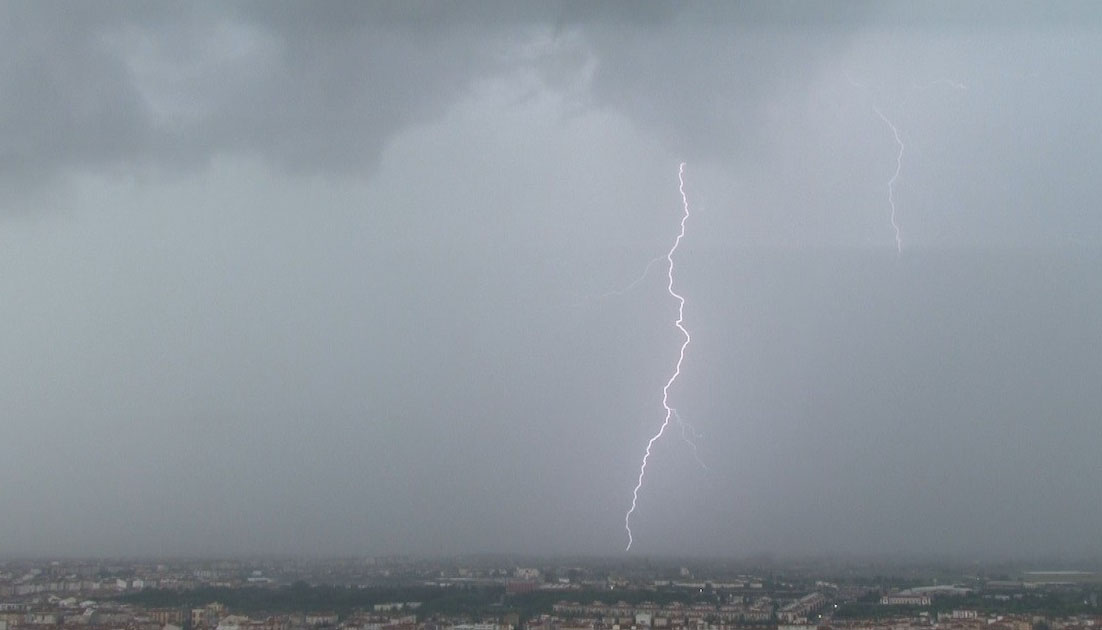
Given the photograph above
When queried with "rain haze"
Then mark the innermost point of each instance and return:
(363, 278)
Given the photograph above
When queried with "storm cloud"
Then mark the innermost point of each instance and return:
(327, 278)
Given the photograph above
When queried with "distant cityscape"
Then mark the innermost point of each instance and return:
(496, 593)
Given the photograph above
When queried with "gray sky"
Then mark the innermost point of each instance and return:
(332, 278)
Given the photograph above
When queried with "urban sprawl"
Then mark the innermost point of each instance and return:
(501, 594)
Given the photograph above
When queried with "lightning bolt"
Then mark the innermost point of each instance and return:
(895, 176)
(680, 358)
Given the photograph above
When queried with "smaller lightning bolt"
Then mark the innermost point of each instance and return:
(634, 283)
(680, 358)
(687, 430)
(895, 176)
(582, 300)
(952, 83)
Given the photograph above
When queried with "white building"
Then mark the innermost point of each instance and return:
(905, 599)
(526, 574)
(233, 622)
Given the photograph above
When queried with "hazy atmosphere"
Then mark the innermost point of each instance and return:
(365, 278)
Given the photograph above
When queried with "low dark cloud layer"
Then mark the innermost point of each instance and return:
(321, 89)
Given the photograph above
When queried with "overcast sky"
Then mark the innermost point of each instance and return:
(344, 277)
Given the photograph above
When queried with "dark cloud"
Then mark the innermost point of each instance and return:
(308, 88)
(67, 100)
(323, 88)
